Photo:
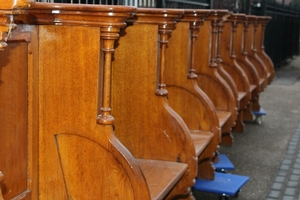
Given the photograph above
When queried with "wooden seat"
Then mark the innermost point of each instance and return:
(201, 140)
(209, 79)
(242, 95)
(252, 88)
(65, 84)
(161, 176)
(223, 117)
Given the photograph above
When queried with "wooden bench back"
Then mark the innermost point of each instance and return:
(184, 94)
(260, 25)
(206, 67)
(70, 152)
(139, 93)
(249, 37)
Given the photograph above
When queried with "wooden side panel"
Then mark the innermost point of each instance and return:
(157, 132)
(75, 152)
(78, 158)
(13, 119)
(68, 93)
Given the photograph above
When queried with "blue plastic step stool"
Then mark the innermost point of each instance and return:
(223, 184)
(258, 115)
(224, 164)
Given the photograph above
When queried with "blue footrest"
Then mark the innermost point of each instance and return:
(260, 112)
(223, 184)
(223, 164)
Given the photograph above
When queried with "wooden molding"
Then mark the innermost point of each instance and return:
(8, 10)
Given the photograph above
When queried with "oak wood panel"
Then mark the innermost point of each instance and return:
(184, 95)
(161, 174)
(228, 52)
(242, 58)
(201, 139)
(255, 79)
(69, 89)
(223, 117)
(260, 26)
(249, 37)
(139, 100)
(209, 80)
(14, 118)
(15, 4)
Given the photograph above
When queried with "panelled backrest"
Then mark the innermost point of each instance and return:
(71, 128)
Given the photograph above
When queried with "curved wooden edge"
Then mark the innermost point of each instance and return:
(156, 16)
(70, 14)
(16, 4)
(117, 152)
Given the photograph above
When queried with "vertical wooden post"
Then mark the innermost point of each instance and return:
(108, 36)
(164, 32)
(194, 30)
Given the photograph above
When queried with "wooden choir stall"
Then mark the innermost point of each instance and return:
(120, 102)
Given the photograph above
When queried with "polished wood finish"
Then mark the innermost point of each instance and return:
(250, 48)
(242, 47)
(69, 148)
(14, 118)
(228, 47)
(9, 9)
(260, 26)
(161, 176)
(140, 96)
(209, 79)
(184, 94)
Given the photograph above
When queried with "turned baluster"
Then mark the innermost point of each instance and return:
(255, 24)
(108, 36)
(164, 31)
(245, 40)
(233, 33)
(194, 30)
(214, 32)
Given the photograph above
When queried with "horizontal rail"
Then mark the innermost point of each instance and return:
(188, 2)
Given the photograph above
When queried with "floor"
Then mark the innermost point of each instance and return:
(269, 153)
